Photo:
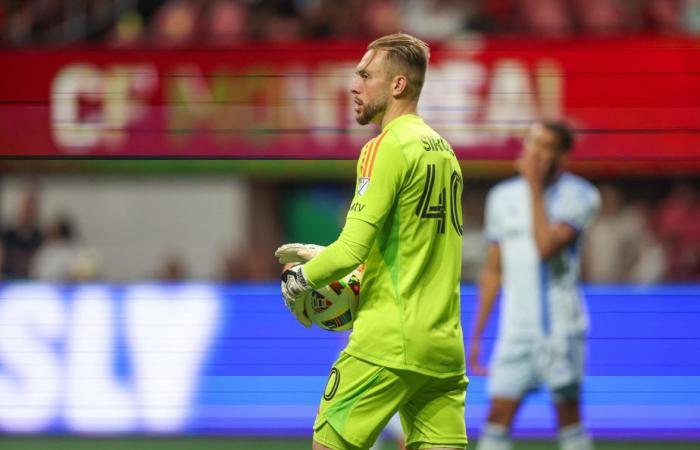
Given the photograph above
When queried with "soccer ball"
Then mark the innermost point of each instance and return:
(333, 307)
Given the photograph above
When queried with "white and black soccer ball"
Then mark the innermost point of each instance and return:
(334, 307)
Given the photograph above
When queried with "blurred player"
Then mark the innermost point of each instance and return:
(534, 223)
(405, 352)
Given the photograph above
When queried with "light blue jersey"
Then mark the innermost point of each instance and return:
(540, 298)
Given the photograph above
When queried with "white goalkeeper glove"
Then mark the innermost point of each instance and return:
(295, 288)
(297, 253)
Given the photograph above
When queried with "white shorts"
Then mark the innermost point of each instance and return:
(523, 365)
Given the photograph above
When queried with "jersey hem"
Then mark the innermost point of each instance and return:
(410, 367)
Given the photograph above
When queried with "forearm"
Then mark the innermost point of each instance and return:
(540, 223)
(489, 284)
(342, 256)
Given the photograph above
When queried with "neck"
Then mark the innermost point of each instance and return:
(553, 176)
(398, 108)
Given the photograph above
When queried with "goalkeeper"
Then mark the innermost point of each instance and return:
(405, 352)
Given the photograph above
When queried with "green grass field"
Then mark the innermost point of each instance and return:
(60, 443)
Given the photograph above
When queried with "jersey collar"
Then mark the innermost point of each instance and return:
(401, 118)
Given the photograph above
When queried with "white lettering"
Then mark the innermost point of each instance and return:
(96, 401)
(167, 334)
(550, 88)
(116, 97)
(511, 104)
(70, 85)
(124, 90)
(169, 330)
(450, 101)
(31, 321)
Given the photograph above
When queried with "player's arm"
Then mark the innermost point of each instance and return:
(550, 237)
(342, 256)
(489, 284)
(380, 173)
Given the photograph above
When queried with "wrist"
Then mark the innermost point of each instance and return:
(536, 187)
(295, 280)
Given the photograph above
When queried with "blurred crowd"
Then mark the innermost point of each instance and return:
(47, 252)
(228, 22)
(645, 233)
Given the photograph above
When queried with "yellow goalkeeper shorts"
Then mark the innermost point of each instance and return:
(360, 398)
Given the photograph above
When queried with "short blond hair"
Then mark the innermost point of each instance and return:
(408, 56)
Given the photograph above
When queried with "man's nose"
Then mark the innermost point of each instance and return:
(354, 87)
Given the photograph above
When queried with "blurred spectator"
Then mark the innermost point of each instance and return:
(256, 261)
(23, 238)
(226, 23)
(330, 19)
(605, 17)
(232, 267)
(128, 30)
(175, 24)
(616, 247)
(276, 20)
(61, 258)
(691, 16)
(29, 21)
(480, 18)
(665, 16)
(250, 264)
(503, 15)
(437, 19)
(17, 24)
(172, 269)
(383, 17)
(546, 18)
(678, 226)
(649, 264)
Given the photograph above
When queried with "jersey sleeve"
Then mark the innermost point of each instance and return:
(380, 173)
(578, 206)
(492, 229)
(342, 256)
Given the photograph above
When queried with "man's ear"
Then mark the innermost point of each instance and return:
(399, 86)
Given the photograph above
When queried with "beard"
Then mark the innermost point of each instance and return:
(370, 110)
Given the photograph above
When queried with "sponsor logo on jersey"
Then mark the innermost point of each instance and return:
(362, 185)
(332, 384)
(357, 207)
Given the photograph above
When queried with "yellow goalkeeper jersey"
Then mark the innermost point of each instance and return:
(406, 215)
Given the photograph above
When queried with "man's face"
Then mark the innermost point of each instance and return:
(542, 144)
(370, 87)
